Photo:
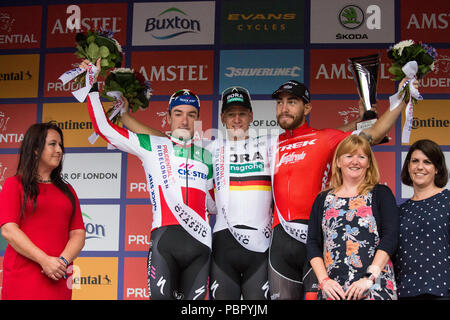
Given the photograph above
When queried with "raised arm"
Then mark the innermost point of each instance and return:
(380, 128)
(136, 126)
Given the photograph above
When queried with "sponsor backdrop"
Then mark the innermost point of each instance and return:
(206, 46)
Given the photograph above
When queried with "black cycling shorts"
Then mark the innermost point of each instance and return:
(177, 266)
(236, 271)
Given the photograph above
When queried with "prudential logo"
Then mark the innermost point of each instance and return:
(171, 23)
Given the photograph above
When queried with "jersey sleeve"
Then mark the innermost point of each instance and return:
(336, 136)
(121, 138)
(10, 201)
(76, 221)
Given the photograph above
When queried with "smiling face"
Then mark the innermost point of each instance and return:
(181, 120)
(291, 111)
(51, 155)
(237, 120)
(353, 165)
(421, 170)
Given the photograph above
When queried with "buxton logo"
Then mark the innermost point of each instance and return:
(352, 17)
(172, 26)
(93, 230)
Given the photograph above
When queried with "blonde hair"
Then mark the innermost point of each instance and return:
(350, 145)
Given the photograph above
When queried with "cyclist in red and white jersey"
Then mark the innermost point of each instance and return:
(180, 182)
(301, 168)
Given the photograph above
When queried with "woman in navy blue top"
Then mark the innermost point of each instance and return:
(423, 257)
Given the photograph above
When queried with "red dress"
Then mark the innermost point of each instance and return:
(48, 228)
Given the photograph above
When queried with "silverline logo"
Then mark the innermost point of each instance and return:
(175, 25)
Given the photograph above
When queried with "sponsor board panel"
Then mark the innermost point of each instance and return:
(136, 181)
(407, 191)
(264, 119)
(55, 65)
(260, 71)
(15, 119)
(94, 175)
(366, 21)
(19, 76)
(331, 74)
(438, 81)
(73, 119)
(102, 227)
(135, 279)
(173, 23)
(386, 167)
(262, 22)
(8, 167)
(111, 17)
(425, 22)
(20, 27)
(335, 113)
(169, 71)
(137, 227)
(94, 279)
(431, 120)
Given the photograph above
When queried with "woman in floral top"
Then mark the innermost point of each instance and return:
(353, 229)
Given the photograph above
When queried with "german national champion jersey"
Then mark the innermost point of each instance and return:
(190, 165)
(302, 169)
(250, 189)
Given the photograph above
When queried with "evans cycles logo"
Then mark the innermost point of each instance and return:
(172, 26)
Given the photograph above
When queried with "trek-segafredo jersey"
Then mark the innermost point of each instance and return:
(243, 190)
(179, 174)
(302, 167)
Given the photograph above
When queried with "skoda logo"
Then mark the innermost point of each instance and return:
(351, 17)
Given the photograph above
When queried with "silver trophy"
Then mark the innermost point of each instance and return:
(365, 73)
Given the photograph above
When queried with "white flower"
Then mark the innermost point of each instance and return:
(122, 70)
(402, 44)
(432, 66)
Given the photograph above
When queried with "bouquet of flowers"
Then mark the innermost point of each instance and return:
(92, 46)
(403, 56)
(413, 61)
(129, 83)
(96, 45)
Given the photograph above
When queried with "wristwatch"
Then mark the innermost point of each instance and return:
(370, 276)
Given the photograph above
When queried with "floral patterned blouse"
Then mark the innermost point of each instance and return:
(351, 238)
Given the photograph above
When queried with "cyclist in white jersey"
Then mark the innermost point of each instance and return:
(242, 232)
(179, 176)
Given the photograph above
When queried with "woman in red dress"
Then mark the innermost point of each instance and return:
(41, 220)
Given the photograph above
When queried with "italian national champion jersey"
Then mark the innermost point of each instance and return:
(190, 160)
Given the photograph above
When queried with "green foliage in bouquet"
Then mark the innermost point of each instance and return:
(132, 85)
(406, 51)
(94, 45)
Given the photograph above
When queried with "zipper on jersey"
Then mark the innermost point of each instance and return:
(187, 174)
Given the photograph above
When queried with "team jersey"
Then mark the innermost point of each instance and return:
(191, 161)
(250, 189)
(302, 169)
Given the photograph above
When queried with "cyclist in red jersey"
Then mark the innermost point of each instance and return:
(301, 164)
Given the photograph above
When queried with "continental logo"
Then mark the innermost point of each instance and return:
(74, 125)
(261, 21)
(418, 123)
(16, 75)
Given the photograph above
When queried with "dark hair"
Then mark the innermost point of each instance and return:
(29, 156)
(436, 156)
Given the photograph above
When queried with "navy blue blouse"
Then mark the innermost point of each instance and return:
(423, 255)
